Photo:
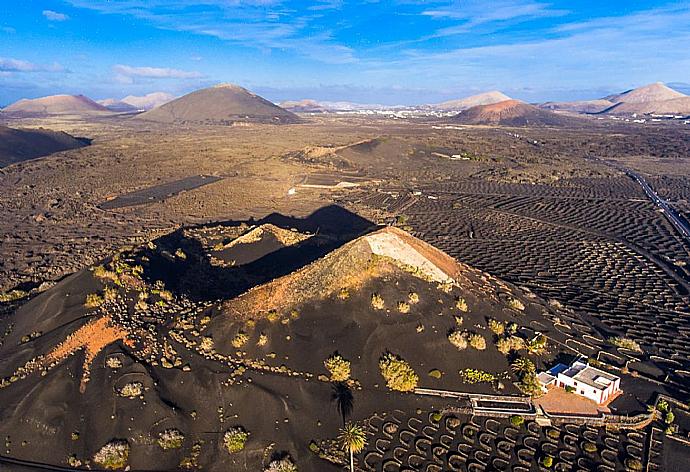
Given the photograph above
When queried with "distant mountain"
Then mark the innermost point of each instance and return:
(486, 98)
(18, 145)
(676, 106)
(222, 104)
(118, 106)
(56, 105)
(512, 113)
(656, 92)
(582, 106)
(148, 101)
(303, 106)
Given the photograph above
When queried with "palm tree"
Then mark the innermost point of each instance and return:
(522, 366)
(352, 438)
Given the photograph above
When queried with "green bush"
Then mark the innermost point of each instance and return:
(437, 416)
(589, 447)
(170, 439)
(547, 461)
(633, 465)
(398, 373)
(113, 455)
(435, 373)
(477, 341)
(235, 439)
(338, 367)
(473, 376)
(517, 420)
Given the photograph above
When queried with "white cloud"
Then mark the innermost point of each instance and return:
(126, 74)
(55, 16)
(17, 65)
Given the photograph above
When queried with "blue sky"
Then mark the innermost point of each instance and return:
(373, 51)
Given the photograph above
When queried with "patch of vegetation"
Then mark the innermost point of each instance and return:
(192, 460)
(273, 316)
(263, 340)
(458, 339)
(435, 373)
(527, 375)
(477, 341)
(537, 346)
(338, 367)
(461, 304)
(281, 465)
(113, 362)
(436, 416)
(445, 287)
(170, 439)
(377, 301)
(131, 390)
(498, 327)
(179, 253)
(403, 307)
(413, 298)
(589, 447)
(626, 343)
(473, 376)
(343, 294)
(93, 300)
(113, 455)
(517, 420)
(516, 304)
(507, 345)
(633, 465)
(398, 373)
(12, 295)
(206, 344)
(235, 439)
(240, 340)
(547, 461)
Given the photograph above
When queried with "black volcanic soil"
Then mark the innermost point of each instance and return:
(18, 145)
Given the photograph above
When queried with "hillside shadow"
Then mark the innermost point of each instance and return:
(195, 275)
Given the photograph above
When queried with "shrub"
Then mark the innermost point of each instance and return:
(403, 307)
(435, 373)
(477, 341)
(553, 434)
(512, 343)
(570, 389)
(113, 362)
(445, 287)
(413, 297)
(437, 416)
(473, 376)
(240, 340)
(670, 417)
(512, 327)
(633, 464)
(93, 300)
(517, 420)
(398, 373)
(662, 406)
(377, 301)
(461, 304)
(589, 447)
(180, 254)
(113, 455)
(547, 461)
(338, 367)
(516, 304)
(626, 343)
(234, 439)
(498, 327)
(170, 439)
(343, 294)
(263, 340)
(420, 328)
(206, 344)
(537, 346)
(109, 294)
(273, 316)
(131, 390)
(281, 465)
(12, 295)
(458, 320)
(458, 339)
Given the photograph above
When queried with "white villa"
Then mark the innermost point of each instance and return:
(582, 379)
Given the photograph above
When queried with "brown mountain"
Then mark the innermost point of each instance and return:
(56, 105)
(676, 106)
(222, 104)
(486, 98)
(656, 92)
(18, 145)
(512, 113)
(581, 106)
(304, 106)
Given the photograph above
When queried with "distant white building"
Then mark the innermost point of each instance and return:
(582, 379)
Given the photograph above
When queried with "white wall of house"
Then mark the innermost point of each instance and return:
(598, 395)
